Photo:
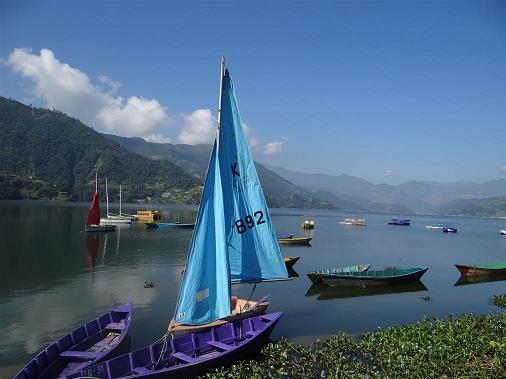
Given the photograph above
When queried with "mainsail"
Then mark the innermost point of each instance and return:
(94, 212)
(233, 240)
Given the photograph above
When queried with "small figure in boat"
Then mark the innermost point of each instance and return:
(148, 285)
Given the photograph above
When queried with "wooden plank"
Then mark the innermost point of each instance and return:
(220, 345)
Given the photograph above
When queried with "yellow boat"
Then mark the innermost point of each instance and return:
(149, 216)
(290, 261)
(295, 240)
(308, 224)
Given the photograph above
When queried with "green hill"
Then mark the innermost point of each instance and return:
(44, 153)
(490, 207)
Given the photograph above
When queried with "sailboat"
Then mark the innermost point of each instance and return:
(112, 218)
(93, 219)
(233, 242)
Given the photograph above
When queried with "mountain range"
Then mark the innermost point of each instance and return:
(45, 153)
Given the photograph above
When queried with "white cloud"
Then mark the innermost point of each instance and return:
(156, 138)
(389, 173)
(503, 168)
(199, 128)
(70, 90)
(273, 148)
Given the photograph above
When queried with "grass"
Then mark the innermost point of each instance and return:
(467, 346)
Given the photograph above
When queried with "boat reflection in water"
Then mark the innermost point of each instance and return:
(463, 280)
(292, 273)
(92, 242)
(328, 293)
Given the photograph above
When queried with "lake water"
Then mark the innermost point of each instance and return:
(52, 279)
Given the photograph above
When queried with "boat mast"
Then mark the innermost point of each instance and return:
(106, 197)
(222, 74)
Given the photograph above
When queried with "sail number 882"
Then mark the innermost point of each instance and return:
(249, 222)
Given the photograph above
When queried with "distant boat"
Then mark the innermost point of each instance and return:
(308, 224)
(400, 221)
(287, 235)
(290, 261)
(353, 221)
(435, 227)
(503, 232)
(94, 341)
(146, 216)
(317, 276)
(110, 218)
(93, 219)
(483, 270)
(381, 277)
(154, 225)
(190, 355)
(295, 240)
(449, 229)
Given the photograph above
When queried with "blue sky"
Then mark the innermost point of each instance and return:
(388, 91)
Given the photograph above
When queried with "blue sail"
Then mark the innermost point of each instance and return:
(253, 250)
(204, 295)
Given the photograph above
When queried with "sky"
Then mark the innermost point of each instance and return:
(387, 91)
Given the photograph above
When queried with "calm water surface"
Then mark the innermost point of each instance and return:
(53, 279)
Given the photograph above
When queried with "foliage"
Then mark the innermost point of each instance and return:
(61, 154)
(499, 300)
(468, 346)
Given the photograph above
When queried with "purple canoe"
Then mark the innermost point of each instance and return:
(191, 354)
(87, 345)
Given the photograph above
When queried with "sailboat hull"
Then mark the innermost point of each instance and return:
(243, 309)
(100, 228)
(114, 220)
(192, 354)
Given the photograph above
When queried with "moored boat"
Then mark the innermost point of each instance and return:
(503, 232)
(93, 219)
(317, 276)
(449, 229)
(146, 216)
(154, 225)
(498, 268)
(308, 224)
(400, 221)
(353, 221)
(295, 240)
(189, 355)
(435, 227)
(112, 218)
(91, 343)
(380, 277)
(290, 261)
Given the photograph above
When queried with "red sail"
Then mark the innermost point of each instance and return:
(94, 212)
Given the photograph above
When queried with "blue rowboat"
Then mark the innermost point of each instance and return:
(154, 225)
(189, 355)
(400, 221)
(89, 344)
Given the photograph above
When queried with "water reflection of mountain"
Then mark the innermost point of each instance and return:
(335, 292)
(464, 280)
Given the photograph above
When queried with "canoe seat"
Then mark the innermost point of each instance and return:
(79, 354)
(220, 345)
(141, 370)
(251, 333)
(185, 358)
(115, 326)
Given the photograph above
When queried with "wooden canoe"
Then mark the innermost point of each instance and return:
(89, 344)
(368, 278)
(190, 355)
(295, 240)
(317, 276)
(483, 270)
(290, 261)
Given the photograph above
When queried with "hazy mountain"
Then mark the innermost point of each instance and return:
(489, 207)
(362, 190)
